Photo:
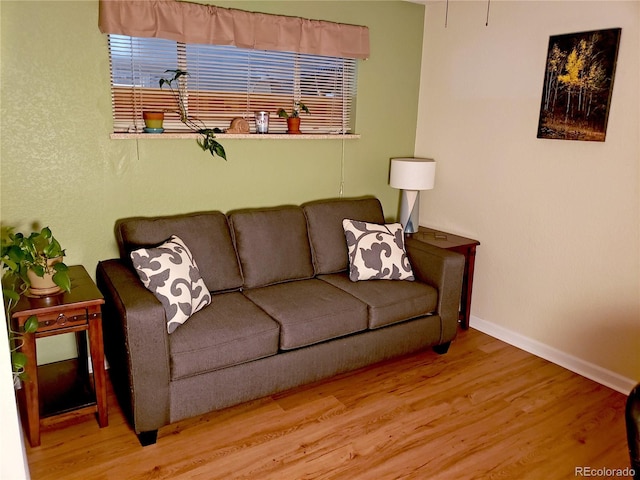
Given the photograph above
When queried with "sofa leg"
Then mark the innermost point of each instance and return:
(148, 438)
(442, 348)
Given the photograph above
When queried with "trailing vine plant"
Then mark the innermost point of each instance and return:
(208, 138)
(20, 253)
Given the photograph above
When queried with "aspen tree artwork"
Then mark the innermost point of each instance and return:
(578, 83)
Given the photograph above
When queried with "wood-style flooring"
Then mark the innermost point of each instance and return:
(485, 410)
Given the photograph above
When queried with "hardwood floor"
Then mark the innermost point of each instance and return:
(485, 410)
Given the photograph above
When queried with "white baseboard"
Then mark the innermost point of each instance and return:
(577, 365)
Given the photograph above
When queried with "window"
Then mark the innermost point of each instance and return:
(225, 82)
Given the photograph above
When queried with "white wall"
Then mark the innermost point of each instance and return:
(558, 221)
(13, 460)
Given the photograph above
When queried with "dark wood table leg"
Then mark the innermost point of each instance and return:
(30, 390)
(97, 361)
(467, 286)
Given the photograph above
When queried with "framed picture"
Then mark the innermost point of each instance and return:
(578, 82)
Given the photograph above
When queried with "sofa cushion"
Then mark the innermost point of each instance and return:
(310, 311)
(230, 331)
(376, 252)
(272, 244)
(388, 301)
(171, 274)
(206, 233)
(324, 219)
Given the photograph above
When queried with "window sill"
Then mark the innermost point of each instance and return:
(226, 136)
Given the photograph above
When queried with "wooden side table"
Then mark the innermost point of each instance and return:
(455, 243)
(78, 311)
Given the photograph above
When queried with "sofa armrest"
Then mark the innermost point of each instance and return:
(136, 344)
(443, 270)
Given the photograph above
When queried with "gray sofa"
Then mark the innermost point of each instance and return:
(283, 310)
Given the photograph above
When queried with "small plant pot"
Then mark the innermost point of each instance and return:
(44, 286)
(293, 125)
(153, 120)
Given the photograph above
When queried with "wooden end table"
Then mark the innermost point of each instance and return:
(455, 243)
(78, 311)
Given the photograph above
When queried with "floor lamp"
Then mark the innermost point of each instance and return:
(411, 175)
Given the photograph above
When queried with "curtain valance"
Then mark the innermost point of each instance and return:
(196, 23)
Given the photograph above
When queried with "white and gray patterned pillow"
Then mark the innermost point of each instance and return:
(376, 252)
(171, 273)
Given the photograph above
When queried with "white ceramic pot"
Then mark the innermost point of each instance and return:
(43, 286)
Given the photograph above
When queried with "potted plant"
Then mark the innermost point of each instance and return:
(153, 121)
(293, 120)
(34, 263)
(207, 142)
(26, 261)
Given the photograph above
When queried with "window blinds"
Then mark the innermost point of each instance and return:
(225, 82)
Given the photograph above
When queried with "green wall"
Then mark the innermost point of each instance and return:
(60, 168)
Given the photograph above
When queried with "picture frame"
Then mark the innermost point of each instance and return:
(578, 85)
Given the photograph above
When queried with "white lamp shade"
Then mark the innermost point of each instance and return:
(412, 173)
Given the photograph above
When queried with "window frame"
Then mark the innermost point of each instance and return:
(127, 112)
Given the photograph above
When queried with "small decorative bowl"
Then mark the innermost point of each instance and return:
(153, 130)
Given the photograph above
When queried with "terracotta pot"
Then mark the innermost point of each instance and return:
(293, 125)
(153, 119)
(42, 286)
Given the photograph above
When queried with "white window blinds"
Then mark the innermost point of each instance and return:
(225, 82)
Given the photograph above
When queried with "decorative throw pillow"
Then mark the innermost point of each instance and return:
(376, 252)
(171, 273)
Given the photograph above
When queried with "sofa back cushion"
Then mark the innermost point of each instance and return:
(206, 234)
(324, 219)
(272, 244)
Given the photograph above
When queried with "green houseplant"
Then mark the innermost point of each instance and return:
(25, 261)
(293, 120)
(208, 141)
(28, 258)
